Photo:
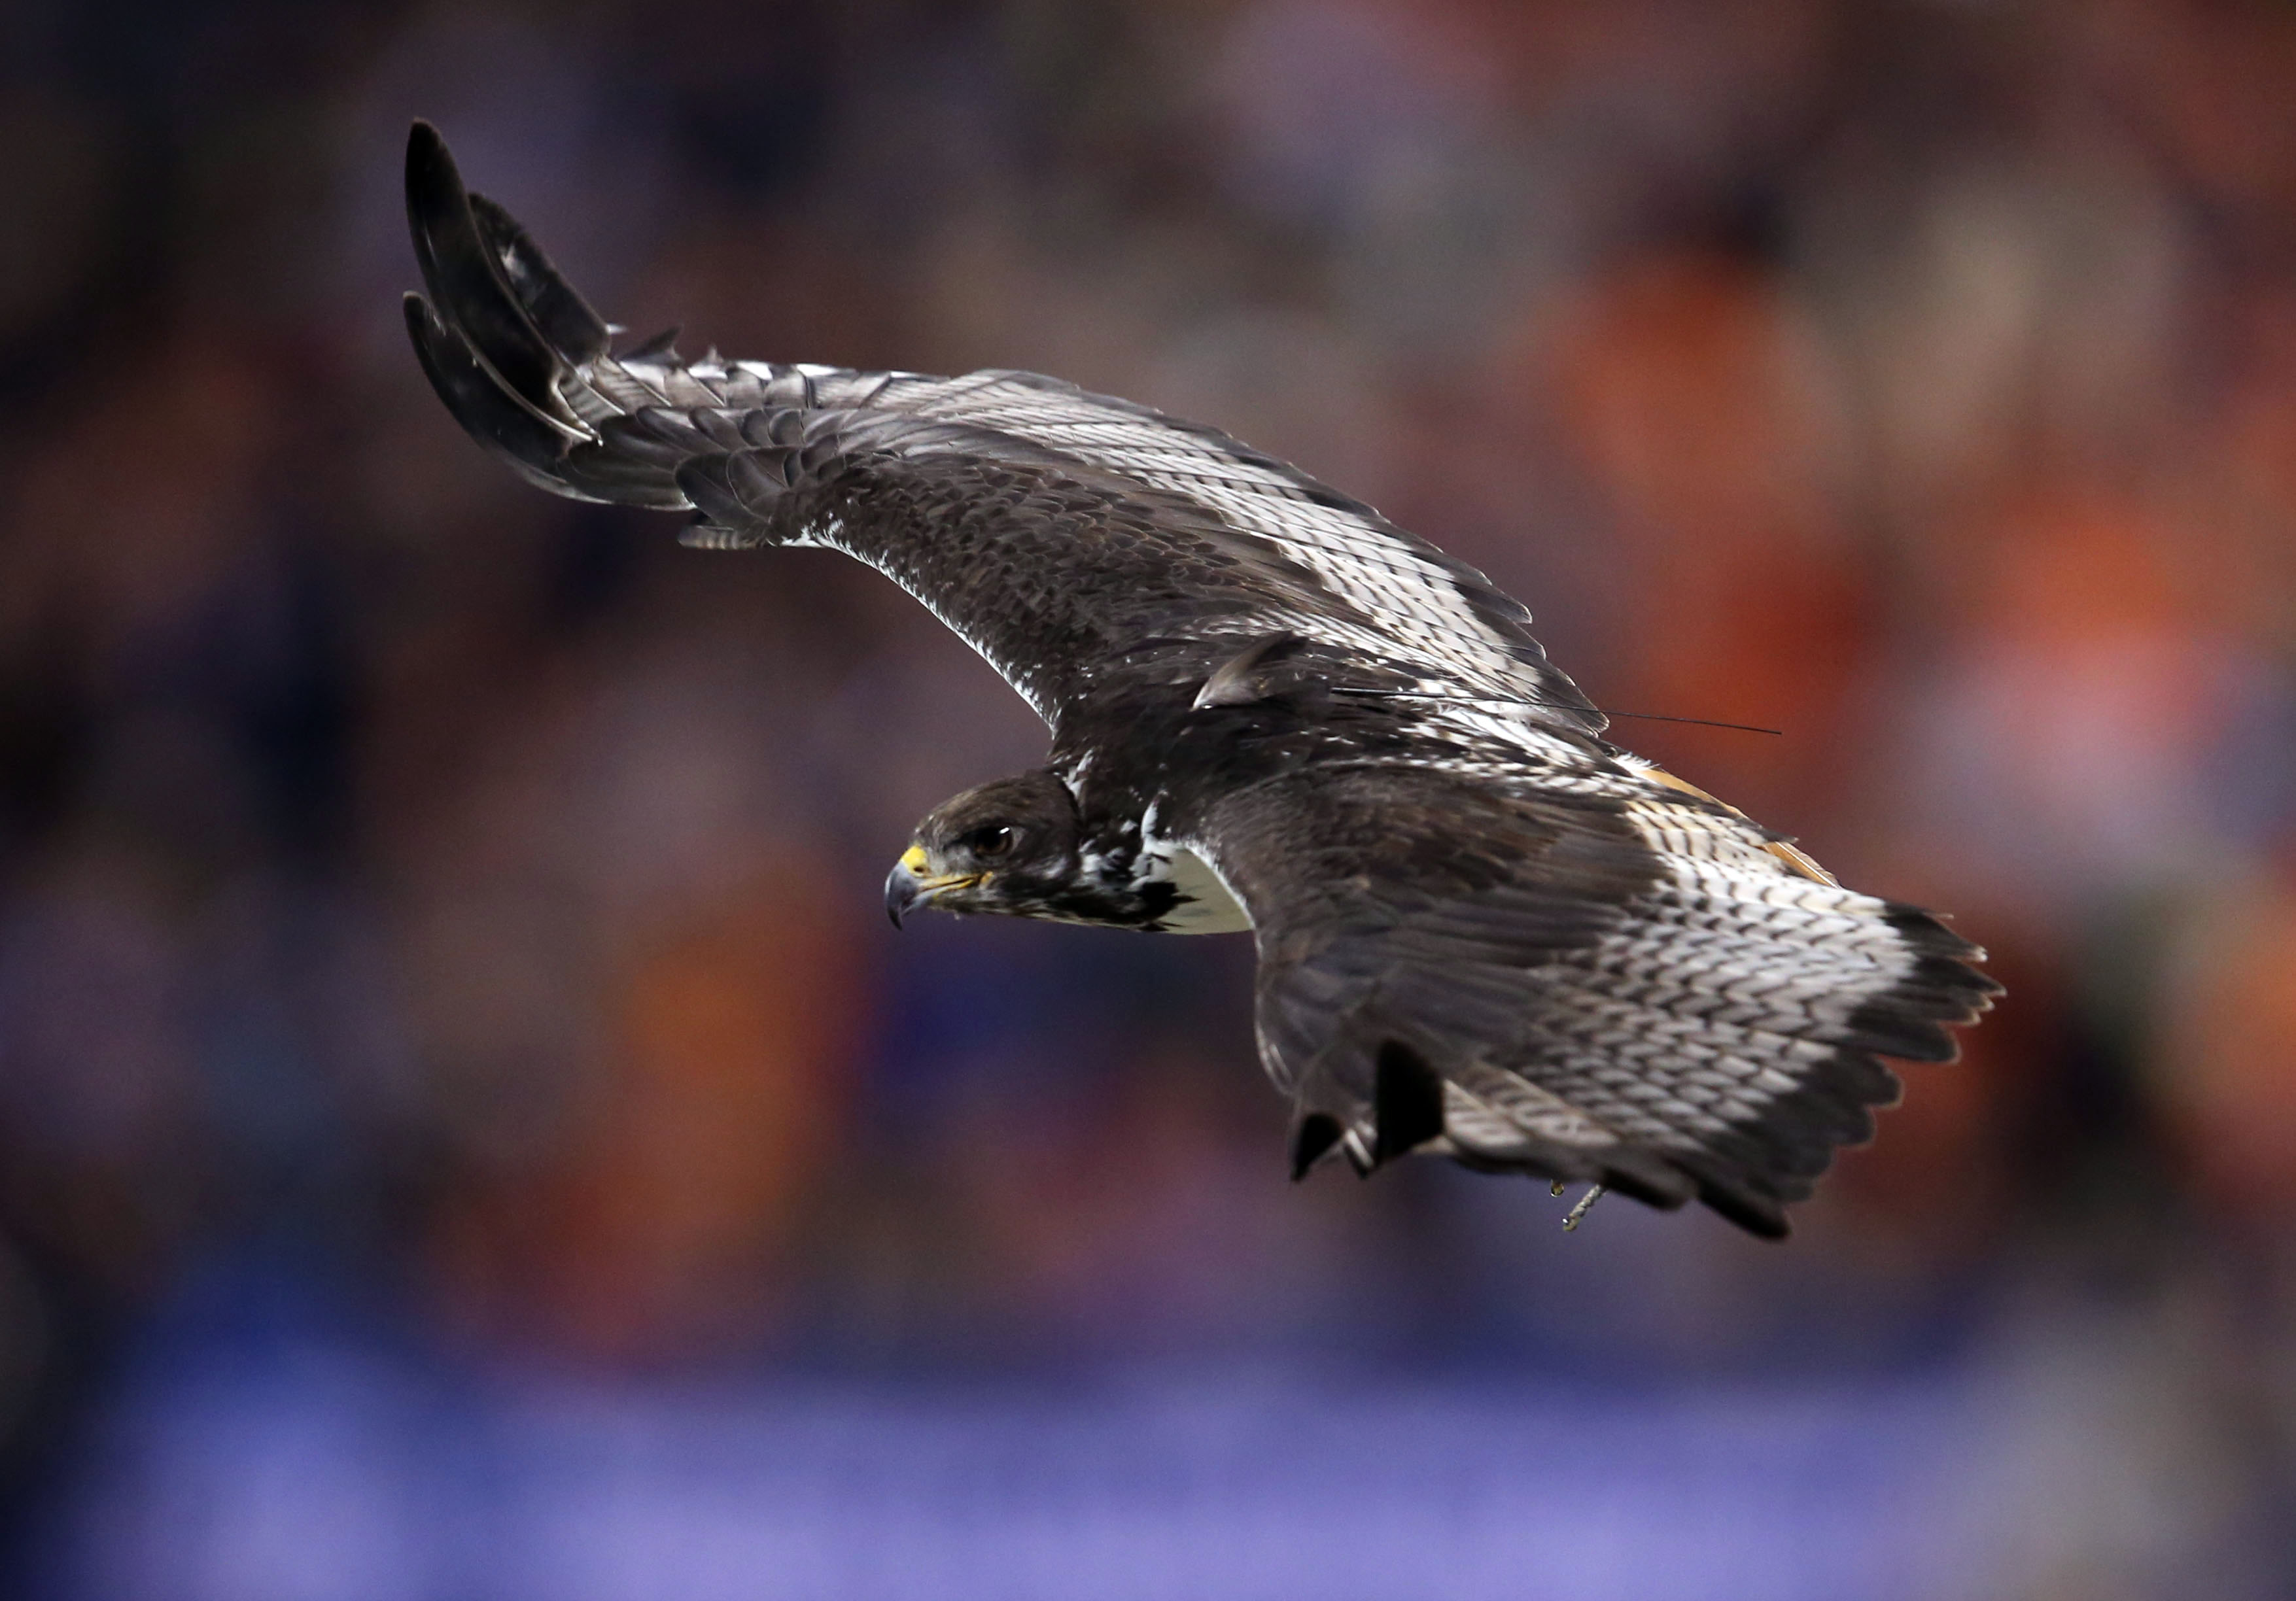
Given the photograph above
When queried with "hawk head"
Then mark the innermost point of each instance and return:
(1007, 847)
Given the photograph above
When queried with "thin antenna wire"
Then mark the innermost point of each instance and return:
(1565, 706)
(1744, 728)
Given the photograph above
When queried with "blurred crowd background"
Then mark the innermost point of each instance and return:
(467, 1131)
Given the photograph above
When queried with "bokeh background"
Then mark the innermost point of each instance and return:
(466, 1130)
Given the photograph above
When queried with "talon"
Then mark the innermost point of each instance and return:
(1594, 1193)
(1556, 1188)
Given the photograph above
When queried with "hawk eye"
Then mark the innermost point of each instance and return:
(995, 840)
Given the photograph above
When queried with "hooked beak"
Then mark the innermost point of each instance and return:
(907, 888)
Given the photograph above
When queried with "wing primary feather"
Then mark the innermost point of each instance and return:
(467, 285)
(488, 412)
(558, 310)
(1313, 1135)
(1407, 1101)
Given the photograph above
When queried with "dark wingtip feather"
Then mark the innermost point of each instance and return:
(434, 193)
(1940, 950)
(1944, 989)
(1407, 1101)
(1758, 1214)
(1894, 1030)
(1800, 1131)
(467, 287)
(486, 412)
(427, 157)
(1645, 1177)
(559, 312)
(1312, 1137)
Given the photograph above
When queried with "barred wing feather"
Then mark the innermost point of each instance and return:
(1246, 545)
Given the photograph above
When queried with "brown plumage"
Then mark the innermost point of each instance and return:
(1483, 930)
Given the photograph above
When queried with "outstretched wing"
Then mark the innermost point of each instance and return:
(1482, 931)
(1628, 987)
(1051, 529)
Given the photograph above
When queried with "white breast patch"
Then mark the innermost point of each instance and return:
(1205, 906)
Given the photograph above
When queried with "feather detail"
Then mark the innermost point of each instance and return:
(1483, 931)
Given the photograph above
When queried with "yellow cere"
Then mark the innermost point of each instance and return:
(914, 858)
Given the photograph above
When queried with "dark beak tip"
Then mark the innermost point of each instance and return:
(900, 894)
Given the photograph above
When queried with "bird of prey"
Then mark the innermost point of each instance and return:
(1483, 930)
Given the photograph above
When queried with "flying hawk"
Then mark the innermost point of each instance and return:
(1483, 930)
